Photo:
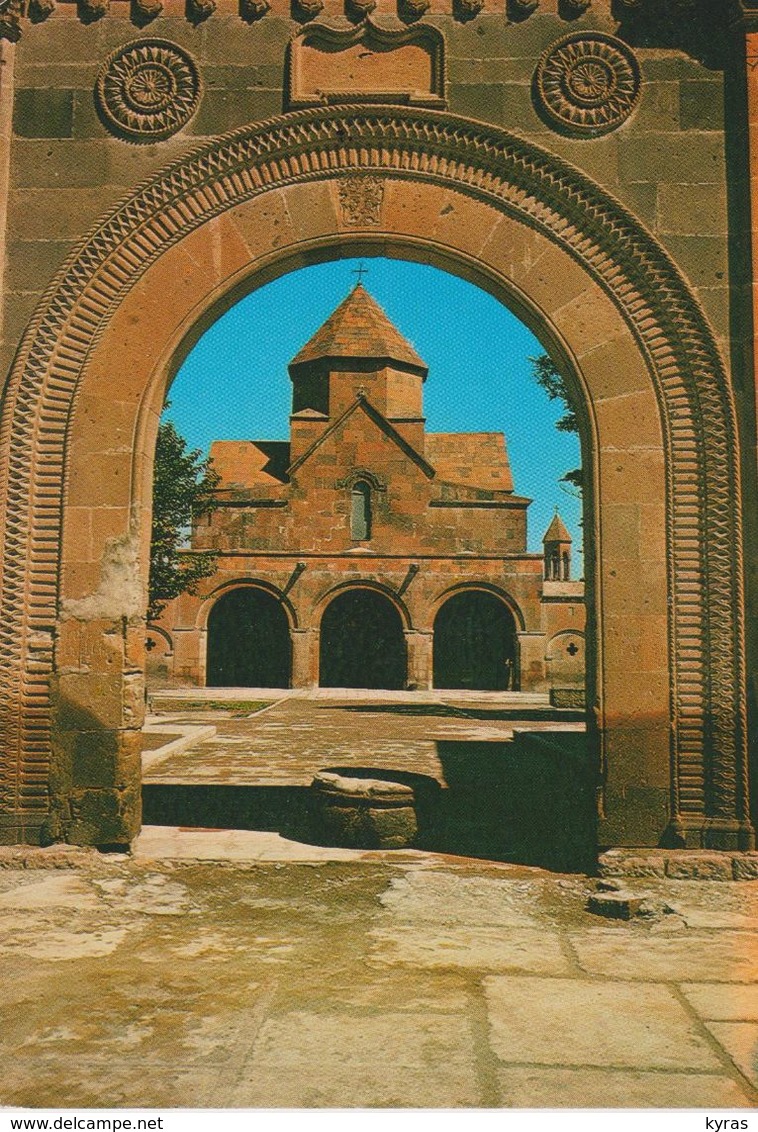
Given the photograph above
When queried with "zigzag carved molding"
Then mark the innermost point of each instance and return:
(510, 174)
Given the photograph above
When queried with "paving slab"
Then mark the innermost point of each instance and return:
(313, 1060)
(75, 1083)
(532, 1087)
(441, 898)
(582, 1022)
(476, 948)
(687, 956)
(740, 1040)
(719, 1003)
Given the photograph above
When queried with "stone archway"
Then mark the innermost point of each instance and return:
(475, 643)
(361, 642)
(248, 642)
(81, 413)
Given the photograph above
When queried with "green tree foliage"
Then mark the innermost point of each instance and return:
(552, 381)
(183, 491)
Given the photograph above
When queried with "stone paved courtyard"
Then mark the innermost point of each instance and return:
(242, 967)
(284, 740)
(334, 978)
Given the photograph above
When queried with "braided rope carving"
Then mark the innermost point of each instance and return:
(507, 172)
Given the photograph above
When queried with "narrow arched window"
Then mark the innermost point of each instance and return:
(360, 512)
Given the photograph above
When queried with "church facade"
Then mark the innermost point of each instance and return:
(366, 552)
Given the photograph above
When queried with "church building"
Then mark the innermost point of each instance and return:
(366, 552)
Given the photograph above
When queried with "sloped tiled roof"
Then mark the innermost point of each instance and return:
(557, 531)
(359, 328)
(248, 463)
(476, 459)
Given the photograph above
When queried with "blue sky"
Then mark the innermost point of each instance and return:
(234, 383)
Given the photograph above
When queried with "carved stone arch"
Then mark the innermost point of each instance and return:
(325, 599)
(487, 587)
(244, 582)
(522, 193)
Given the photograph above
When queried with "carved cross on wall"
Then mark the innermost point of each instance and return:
(572, 649)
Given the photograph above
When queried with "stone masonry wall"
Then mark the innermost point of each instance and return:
(666, 163)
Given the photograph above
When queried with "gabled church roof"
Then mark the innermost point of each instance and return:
(557, 531)
(362, 402)
(359, 328)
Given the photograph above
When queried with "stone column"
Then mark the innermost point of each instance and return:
(305, 658)
(419, 645)
(531, 662)
(187, 666)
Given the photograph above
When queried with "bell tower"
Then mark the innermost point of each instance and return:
(557, 551)
(356, 353)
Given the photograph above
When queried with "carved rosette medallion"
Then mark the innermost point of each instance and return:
(587, 83)
(148, 90)
(361, 200)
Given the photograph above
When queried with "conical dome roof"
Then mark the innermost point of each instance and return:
(557, 531)
(359, 328)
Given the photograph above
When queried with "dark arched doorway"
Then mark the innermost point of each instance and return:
(248, 642)
(475, 643)
(362, 643)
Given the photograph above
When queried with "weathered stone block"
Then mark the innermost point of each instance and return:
(622, 863)
(43, 113)
(745, 866)
(104, 817)
(58, 164)
(364, 813)
(689, 865)
(32, 263)
(223, 110)
(615, 906)
(567, 697)
(671, 157)
(702, 105)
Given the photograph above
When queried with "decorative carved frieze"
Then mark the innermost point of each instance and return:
(306, 9)
(465, 10)
(519, 9)
(359, 9)
(576, 7)
(587, 83)
(253, 10)
(91, 10)
(361, 200)
(366, 63)
(410, 10)
(10, 19)
(199, 10)
(148, 90)
(145, 10)
(39, 10)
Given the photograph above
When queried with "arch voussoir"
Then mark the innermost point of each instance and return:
(513, 176)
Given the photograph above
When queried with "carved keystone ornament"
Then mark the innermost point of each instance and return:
(148, 90)
(587, 84)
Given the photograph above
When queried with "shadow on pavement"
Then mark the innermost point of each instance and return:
(529, 801)
(449, 711)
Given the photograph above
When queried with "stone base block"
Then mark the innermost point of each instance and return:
(568, 697)
(364, 813)
(679, 864)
